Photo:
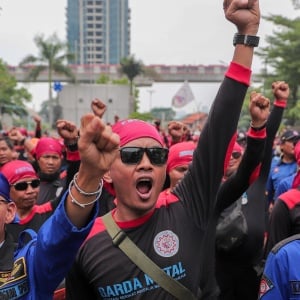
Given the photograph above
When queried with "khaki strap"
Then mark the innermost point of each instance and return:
(121, 240)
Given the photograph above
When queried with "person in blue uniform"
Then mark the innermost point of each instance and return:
(37, 268)
(281, 276)
(282, 166)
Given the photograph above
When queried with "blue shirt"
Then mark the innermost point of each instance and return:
(281, 277)
(284, 185)
(278, 171)
(41, 265)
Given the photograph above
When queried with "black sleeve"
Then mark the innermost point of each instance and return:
(273, 124)
(280, 225)
(198, 189)
(38, 131)
(237, 184)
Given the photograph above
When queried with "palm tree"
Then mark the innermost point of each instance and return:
(131, 68)
(53, 57)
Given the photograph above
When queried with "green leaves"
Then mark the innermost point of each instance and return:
(282, 60)
(12, 98)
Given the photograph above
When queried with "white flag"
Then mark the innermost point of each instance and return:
(183, 96)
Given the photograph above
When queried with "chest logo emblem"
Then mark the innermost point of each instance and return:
(166, 243)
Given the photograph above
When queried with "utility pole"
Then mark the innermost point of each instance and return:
(151, 91)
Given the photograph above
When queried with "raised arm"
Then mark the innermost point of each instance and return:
(219, 133)
(98, 147)
(246, 16)
(248, 170)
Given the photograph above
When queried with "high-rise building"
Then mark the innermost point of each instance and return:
(98, 31)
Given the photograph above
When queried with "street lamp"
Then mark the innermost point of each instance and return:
(150, 98)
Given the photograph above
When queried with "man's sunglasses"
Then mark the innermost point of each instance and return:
(133, 155)
(236, 155)
(22, 186)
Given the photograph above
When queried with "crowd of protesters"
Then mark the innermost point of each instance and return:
(166, 190)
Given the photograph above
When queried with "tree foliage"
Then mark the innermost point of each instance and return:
(282, 58)
(131, 67)
(52, 57)
(12, 98)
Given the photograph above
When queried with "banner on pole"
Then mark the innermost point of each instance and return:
(183, 96)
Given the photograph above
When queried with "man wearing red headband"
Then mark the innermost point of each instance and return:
(49, 157)
(25, 187)
(172, 234)
(180, 156)
(40, 265)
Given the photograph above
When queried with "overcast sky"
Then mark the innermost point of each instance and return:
(162, 31)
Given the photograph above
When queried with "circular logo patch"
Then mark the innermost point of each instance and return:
(166, 243)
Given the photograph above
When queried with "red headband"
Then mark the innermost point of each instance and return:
(48, 145)
(133, 129)
(180, 154)
(237, 148)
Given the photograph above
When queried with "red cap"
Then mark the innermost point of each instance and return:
(16, 170)
(180, 154)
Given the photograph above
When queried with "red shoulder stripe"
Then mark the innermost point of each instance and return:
(37, 209)
(165, 198)
(291, 198)
(97, 227)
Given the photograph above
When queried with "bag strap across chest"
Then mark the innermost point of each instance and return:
(121, 240)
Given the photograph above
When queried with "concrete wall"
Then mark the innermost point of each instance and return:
(76, 100)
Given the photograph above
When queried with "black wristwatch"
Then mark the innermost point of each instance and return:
(258, 128)
(72, 147)
(247, 40)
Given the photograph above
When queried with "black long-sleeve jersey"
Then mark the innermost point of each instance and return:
(255, 209)
(173, 235)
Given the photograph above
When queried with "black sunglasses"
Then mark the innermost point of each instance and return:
(133, 155)
(22, 186)
(236, 155)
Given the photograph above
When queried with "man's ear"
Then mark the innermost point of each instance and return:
(10, 213)
(107, 177)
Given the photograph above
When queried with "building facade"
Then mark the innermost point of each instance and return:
(98, 31)
(75, 101)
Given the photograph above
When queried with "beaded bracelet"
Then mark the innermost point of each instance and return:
(83, 205)
(82, 192)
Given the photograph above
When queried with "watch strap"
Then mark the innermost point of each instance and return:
(247, 40)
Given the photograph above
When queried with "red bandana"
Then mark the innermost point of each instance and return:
(133, 129)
